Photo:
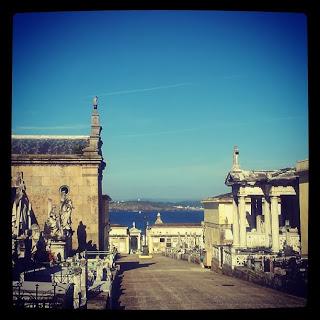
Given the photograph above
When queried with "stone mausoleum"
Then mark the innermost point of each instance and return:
(162, 236)
(266, 211)
(125, 240)
(65, 169)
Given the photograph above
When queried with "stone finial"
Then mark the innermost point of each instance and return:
(235, 164)
(95, 102)
(158, 220)
(133, 224)
(95, 142)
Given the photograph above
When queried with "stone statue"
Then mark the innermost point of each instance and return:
(14, 220)
(20, 208)
(35, 236)
(65, 215)
(58, 224)
(20, 187)
(52, 224)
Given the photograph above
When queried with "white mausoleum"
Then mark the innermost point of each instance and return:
(261, 212)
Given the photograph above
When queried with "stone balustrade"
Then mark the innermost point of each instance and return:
(256, 239)
(192, 257)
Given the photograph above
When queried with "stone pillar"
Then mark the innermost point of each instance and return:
(275, 224)
(235, 225)
(83, 278)
(242, 221)
(258, 223)
(267, 220)
(127, 244)
(139, 240)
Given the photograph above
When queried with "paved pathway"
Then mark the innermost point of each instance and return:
(165, 283)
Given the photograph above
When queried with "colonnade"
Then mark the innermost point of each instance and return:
(271, 218)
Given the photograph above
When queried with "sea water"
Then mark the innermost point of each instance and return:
(127, 218)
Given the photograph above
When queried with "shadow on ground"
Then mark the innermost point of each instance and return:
(117, 284)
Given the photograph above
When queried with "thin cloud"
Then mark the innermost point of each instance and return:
(224, 124)
(144, 89)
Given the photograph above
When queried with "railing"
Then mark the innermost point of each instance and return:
(96, 253)
(63, 277)
(23, 298)
(235, 259)
(227, 257)
(174, 253)
(215, 253)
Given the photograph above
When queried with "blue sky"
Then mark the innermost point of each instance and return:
(177, 90)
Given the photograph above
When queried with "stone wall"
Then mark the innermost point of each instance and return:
(175, 235)
(303, 171)
(276, 281)
(215, 266)
(190, 257)
(44, 181)
(121, 243)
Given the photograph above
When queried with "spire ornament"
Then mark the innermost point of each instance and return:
(95, 102)
(235, 164)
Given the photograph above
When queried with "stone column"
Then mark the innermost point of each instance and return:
(150, 243)
(235, 225)
(138, 239)
(83, 278)
(242, 221)
(267, 221)
(275, 224)
(258, 223)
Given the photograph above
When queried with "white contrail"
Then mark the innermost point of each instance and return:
(143, 90)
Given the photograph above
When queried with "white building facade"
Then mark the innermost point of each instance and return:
(262, 213)
(174, 235)
(119, 238)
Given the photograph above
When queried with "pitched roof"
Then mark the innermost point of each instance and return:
(224, 196)
(39, 144)
(253, 176)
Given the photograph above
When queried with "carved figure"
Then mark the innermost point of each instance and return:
(52, 223)
(20, 208)
(14, 220)
(65, 215)
(58, 223)
(20, 187)
(35, 236)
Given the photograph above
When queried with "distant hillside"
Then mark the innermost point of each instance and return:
(154, 206)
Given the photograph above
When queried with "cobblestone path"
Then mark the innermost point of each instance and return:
(165, 283)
